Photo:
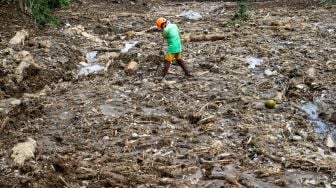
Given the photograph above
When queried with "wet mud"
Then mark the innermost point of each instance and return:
(100, 122)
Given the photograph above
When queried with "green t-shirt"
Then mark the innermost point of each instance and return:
(171, 33)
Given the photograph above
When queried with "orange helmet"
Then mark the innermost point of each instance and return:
(160, 21)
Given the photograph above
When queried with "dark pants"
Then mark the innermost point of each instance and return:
(180, 62)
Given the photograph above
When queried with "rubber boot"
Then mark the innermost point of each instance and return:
(184, 67)
(166, 65)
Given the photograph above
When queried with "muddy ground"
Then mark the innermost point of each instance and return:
(117, 128)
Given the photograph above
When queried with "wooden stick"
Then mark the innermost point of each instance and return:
(216, 161)
(4, 123)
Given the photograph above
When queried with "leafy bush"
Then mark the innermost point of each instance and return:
(41, 10)
(241, 14)
(58, 3)
(327, 1)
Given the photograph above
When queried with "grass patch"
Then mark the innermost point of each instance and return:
(241, 15)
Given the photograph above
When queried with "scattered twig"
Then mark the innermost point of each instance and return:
(207, 120)
(63, 180)
(4, 124)
(201, 109)
(216, 161)
(170, 167)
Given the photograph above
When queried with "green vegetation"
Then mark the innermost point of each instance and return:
(39, 9)
(241, 15)
(325, 2)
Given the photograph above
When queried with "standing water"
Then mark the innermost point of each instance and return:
(311, 110)
(90, 67)
(128, 46)
(253, 61)
(91, 56)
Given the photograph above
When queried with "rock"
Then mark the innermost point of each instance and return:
(24, 151)
(311, 72)
(16, 102)
(45, 44)
(24, 56)
(268, 72)
(301, 86)
(19, 37)
(297, 138)
(74, 30)
(135, 135)
(191, 15)
(26, 61)
(91, 37)
(131, 67)
(330, 141)
(20, 69)
(63, 59)
(259, 105)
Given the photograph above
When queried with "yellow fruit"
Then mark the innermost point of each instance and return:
(270, 103)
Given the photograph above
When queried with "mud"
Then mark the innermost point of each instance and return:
(111, 128)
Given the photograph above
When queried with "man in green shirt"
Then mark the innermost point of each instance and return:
(174, 49)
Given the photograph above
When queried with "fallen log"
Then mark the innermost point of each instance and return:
(102, 49)
(197, 38)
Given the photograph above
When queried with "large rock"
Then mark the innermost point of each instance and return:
(26, 61)
(131, 67)
(19, 37)
(24, 151)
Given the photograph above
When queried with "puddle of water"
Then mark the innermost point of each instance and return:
(253, 61)
(91, 56)
(112, 111)
(65, 115)
(90, 69)
(325, 25)
(312, 111)
(152, 111)
(128, 46)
